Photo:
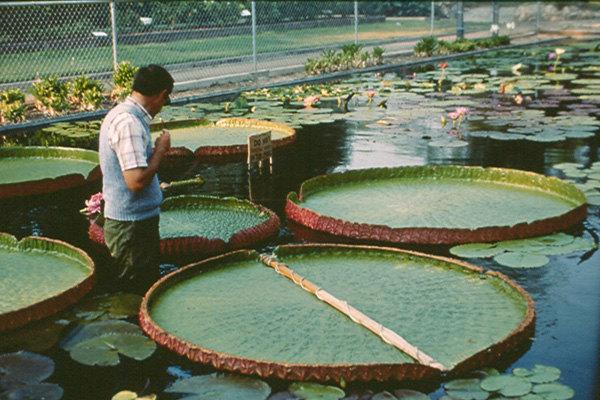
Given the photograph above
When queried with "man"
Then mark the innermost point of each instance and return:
(131, 192)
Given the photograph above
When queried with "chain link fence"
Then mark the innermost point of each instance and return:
(200, 40)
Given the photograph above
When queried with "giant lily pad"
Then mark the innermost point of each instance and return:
(27, 171)
(432, 302)
(228, 136)
(436, 204)
(206, 225)
(39, 277)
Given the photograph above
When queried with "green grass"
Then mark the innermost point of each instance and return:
(75, 62)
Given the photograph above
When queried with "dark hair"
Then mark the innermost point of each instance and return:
(152, 80)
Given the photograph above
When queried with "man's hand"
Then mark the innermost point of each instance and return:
(163, 142)
(138, 178)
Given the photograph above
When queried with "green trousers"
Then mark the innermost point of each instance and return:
(135, 248)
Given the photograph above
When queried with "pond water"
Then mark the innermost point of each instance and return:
(556, 123)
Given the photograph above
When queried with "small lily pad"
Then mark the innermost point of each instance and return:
(407, 394)
(507, 385)
(385, 395)
(24, 368)
(544, 374)
(91, 331)
(38, 391)
(554, 391)
(521, 260)
(315, 391)
(479, 250)
(466, 389)
(221, 387)
(109, 307)
(104, 350)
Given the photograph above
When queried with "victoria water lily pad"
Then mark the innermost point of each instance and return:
(204, 225)
(39, 277)
(316, 391)
(333, 346)
(435, 204)
(227, 136)
(27, 171)
(221, 387)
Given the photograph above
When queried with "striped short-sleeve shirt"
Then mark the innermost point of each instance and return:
(129, 139)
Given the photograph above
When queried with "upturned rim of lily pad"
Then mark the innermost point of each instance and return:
(347, 372)
(204, 246)
(48, 185)
(33, 312)
(225, 150)
(435, 235)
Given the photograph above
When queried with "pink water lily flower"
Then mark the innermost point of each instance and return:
(551, 56)
(310, 100)
(370, 93)
(93, 205)
(453, 115)
(462, 110)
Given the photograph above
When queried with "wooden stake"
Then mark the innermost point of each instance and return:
(386, 334)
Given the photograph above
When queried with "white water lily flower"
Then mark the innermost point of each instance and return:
(559, 51)
(510, 25)
(495, 28)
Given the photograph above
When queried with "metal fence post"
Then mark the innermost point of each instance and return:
(432, 16)
(113, 23)
(538, 17)
(460, 30)
(254, 35)
(356, 22)
(495, 18)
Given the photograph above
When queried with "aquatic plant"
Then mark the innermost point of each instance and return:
(370, 94)
(93, 206)
(310, 100)
(123, 80)
(559, 52)
(443, 66)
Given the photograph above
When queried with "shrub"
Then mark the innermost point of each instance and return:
(350, 58)
(86, 93)
(464, 45)
(51, 95)
(12, 106)
(426, 47)
(430, 46)
(123, 79)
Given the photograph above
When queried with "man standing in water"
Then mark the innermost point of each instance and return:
(131, 192)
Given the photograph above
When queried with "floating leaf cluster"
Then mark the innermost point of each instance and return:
(586, 179)
(525, 253)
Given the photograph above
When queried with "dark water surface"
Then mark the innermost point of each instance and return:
(566, 291)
